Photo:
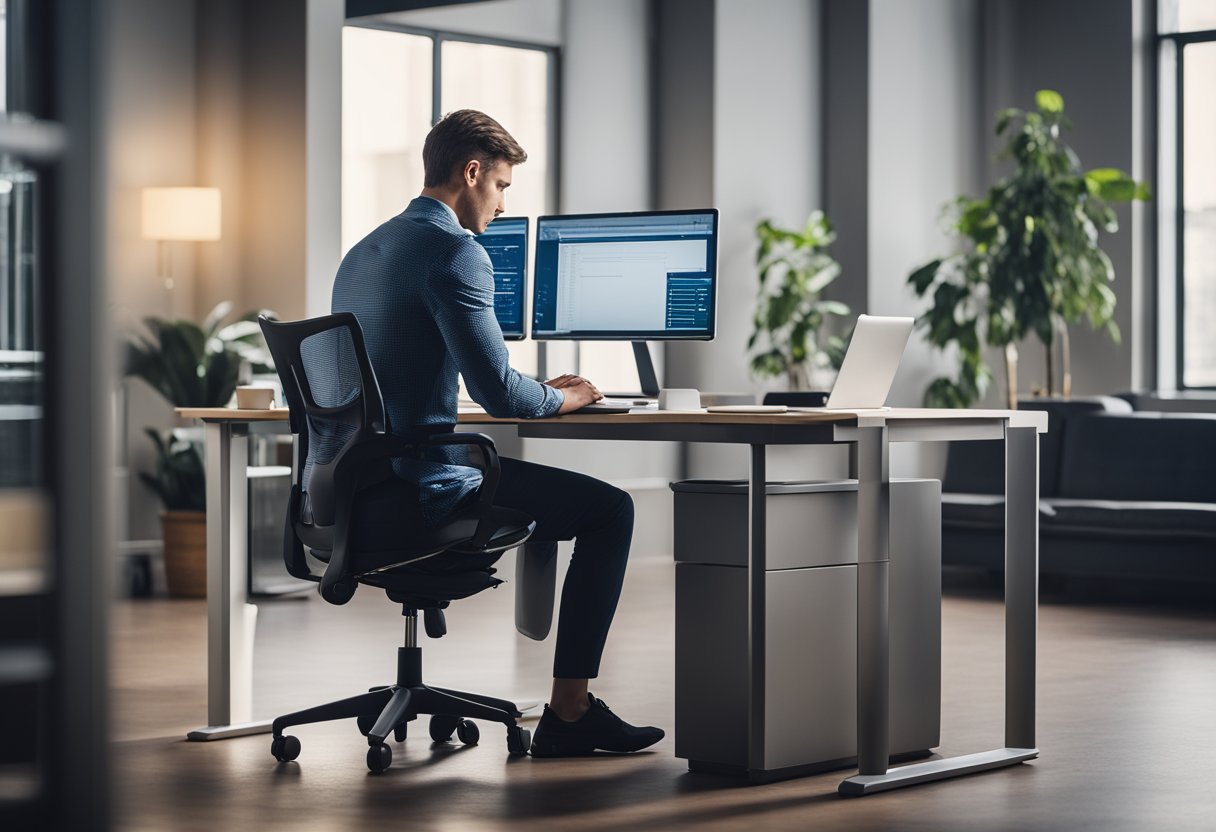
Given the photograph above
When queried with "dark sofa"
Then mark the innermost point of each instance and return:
(1123, 494)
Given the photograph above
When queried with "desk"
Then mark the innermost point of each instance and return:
(868, 433)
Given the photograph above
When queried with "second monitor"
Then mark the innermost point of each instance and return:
(627, 277)
(506, 241)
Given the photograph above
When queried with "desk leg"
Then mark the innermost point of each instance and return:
(1021, 617)
(1021, 583)
(756, 566)
(230, 619)
(873, 551)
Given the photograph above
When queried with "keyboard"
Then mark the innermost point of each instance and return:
(616, 406)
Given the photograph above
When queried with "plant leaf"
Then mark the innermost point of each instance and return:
(922, 278)
(1049, 101)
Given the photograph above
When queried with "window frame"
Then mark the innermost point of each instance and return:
(439, 36)
(1173, 143)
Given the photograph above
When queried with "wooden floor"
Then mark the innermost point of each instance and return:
(1127, 727)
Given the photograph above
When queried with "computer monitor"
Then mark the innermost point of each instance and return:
(506, 241)
(637, 277)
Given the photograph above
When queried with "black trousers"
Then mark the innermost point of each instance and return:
(599, 519)
(565, 506)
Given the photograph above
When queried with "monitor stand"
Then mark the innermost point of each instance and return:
(650, 382)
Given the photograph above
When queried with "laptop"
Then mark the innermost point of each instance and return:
(869, 366)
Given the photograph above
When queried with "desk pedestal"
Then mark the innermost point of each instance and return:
(810, 690)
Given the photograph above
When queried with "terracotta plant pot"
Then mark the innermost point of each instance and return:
(185, 553)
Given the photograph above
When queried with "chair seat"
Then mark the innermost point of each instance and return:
(440, 550)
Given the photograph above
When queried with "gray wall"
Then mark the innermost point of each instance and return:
(148, 125)
(846, 97)
(683, 131)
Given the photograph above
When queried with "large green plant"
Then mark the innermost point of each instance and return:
(1031, 263)
(789, 323)
(192, 366)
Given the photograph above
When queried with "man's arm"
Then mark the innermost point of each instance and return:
(460, 296)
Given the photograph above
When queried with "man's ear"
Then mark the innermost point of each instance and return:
(472, 170)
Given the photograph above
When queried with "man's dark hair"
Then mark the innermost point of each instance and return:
(462, 136)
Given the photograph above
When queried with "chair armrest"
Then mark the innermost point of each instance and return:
(535, 585)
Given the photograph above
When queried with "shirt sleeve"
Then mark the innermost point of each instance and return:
(460, 296)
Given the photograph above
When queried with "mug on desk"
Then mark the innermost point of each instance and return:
(254, 397)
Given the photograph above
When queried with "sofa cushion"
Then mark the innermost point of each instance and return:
(979, 467)
(973, 510)
(1140, 456)
(1130, 518)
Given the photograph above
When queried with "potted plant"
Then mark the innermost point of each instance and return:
(191, 366)
(180, 484)
(1031, 263)
(791, 318)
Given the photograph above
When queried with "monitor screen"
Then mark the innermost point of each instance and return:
(506, 241)
(641, 277)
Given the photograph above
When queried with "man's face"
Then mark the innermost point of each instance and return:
(483, 196)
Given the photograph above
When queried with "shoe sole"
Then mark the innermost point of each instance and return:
(557, 749)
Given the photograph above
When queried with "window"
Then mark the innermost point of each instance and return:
(386, 113)
(1187, 194)
(397, 82)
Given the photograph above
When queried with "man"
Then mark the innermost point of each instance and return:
(423, 290)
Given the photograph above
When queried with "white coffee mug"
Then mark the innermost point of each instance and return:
(677, 398)
(254, 397)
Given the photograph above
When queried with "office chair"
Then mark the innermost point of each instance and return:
(343, 447)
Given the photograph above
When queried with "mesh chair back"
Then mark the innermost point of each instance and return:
(333, 396)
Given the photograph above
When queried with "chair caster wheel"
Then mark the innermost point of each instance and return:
(285, 748)
(519, 740)
(468, 732)
(442, 727)
(366, 723)
(379, 758)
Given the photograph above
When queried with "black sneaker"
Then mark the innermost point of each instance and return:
(597, 730)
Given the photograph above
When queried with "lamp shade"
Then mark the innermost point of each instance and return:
(181, 213)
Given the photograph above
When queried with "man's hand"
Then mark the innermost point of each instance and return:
(577, 390)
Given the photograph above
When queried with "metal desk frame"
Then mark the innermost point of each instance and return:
(868, 433)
